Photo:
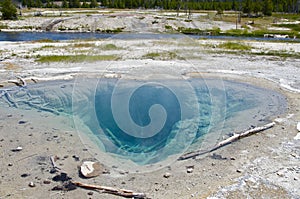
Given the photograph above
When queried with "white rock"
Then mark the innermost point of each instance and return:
(31, 184)
(190, 170)
(298, 126)
(17, 149)
(297, 137)
(90, 169)
(279, 120)
(167, 175)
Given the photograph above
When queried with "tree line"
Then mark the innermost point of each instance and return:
(250, 7)
(247, 6)
(60, 4)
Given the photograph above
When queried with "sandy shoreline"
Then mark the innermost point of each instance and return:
(262, 165)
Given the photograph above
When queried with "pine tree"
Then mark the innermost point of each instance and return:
(8, 10)
(65, 4)
(234, 5)
(94, 4)
(76, 4)
(248, 8)
(268, 7)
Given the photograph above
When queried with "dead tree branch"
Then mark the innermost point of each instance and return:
(111, 190)
(19, 82)
(22, 81)
(229, 140)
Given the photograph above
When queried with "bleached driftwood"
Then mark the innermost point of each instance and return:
(53, 162)
(235, 137)
(23, 82)
(19, 82)
(111, 190)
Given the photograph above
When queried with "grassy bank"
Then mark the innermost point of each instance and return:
(76, 58)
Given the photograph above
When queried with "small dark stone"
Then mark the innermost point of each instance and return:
(10, 115)
(105, 171)
(76, 158)
(46, 181)
(10, 164)
(122, 172)
(90, 193)
(22, 122)
(61, 177)
(131, 179)
(218, 157)
(24, 175)
(69, 186)
(58, 188)
(53, 170)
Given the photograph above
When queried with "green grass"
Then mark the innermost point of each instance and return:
(282, 54)
(258, 33)
(110, 47)
(234, 46)
(167, 27)
(161, 56)
(294, 27)
(3, 26)
(83, 45)
(76, 58)
(286, 16)
(44, 41)
(196, 31)
(270, 53)
(117, 30)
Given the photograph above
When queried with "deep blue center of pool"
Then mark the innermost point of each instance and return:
(139, 105)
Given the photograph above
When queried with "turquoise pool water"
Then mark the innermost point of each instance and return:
(142, 123)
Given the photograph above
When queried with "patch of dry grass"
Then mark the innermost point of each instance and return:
(11, 66)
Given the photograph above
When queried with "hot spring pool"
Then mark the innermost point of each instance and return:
(139, 123)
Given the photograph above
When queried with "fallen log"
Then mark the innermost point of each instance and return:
(111, 190)
(235, 137)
